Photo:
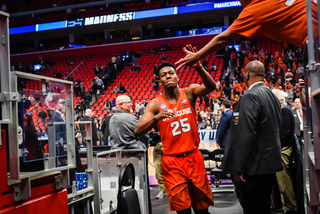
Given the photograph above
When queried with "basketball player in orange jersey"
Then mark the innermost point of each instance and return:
(183, 170)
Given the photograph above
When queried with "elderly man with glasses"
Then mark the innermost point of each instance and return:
(122, 125)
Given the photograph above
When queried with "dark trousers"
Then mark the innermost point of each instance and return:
(256, 193)
(276, 196)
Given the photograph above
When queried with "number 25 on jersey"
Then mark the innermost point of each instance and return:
(183, 123)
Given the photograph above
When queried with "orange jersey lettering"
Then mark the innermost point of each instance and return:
(180, 133)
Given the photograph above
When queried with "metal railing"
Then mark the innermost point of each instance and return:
(77, 68)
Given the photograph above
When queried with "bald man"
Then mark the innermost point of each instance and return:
(253, 151)
(122, 125)
(87, 117)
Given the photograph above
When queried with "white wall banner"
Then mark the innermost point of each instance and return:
(207, 136)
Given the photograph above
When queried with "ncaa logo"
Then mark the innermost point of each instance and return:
(163, 106)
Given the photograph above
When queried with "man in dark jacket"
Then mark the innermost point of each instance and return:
(37, 97)
(298, 118)
(119, 64)
(59, 116)
(60, 130)
(94, 89)
(42, 115)
(253, 150)
(76, 89)
(83, 106)
(87, 99)
(82, 90)
(105, 129)
(87, 117)
(225, 122)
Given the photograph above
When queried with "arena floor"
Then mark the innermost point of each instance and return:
(224, 203)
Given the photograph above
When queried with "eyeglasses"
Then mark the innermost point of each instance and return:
(62, 103)
(129, 102)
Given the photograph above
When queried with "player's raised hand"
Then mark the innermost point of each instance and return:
(193, 50)
(190, 59)
(166, 113)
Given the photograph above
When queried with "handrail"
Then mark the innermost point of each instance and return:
(76, 68)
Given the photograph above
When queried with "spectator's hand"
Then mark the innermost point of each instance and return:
(98, 143)
(239, 177)
(166, 113)
(190, 59)
(301, 84)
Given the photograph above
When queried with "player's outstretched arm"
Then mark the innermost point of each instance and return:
(151, 116)
(218, 42)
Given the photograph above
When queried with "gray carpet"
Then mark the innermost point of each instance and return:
(224, 203)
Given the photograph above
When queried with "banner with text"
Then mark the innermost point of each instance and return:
(208, 136)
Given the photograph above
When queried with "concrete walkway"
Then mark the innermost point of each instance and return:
(224, 203)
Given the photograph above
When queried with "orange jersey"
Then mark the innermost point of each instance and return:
(284, 67)
(283, 20)
(294, 65)
(246, 61)
(236, 86)
(178, 134)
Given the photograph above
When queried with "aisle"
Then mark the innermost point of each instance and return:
(225, 203)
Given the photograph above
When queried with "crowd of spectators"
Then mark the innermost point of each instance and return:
(282, 72)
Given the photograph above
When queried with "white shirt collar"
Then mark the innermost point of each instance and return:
(226, 110)
(254, 84)
(61, 114)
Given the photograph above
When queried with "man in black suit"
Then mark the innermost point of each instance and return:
(60, 130)
(224, 125)
(87, 117)
(298, 118)
(253, 152)
(58, 116)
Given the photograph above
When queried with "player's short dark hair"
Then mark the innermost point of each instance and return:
(226, 103)
(165, 64)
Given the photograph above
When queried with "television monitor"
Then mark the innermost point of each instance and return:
(36, 67)
(235, 46)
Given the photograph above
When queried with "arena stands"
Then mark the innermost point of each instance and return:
(139, 83)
